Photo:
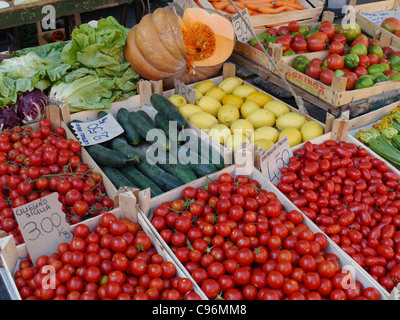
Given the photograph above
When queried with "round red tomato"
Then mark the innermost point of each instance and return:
(316, 41)
(335, 62)
(373, 58)
(336, 47)
(351, 80)
(338, 37)
(299, 45)
(328, 29)
(360, 71)
(326, 76)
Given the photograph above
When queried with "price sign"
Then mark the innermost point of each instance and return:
(98, 131)
(275, 159)
(243, 34)
(183, 90)
(43, 226)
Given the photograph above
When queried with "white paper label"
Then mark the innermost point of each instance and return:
(378, 17)
(275, 159)
(183, 90)
(97, 131)
(43, 225)
(243, 34)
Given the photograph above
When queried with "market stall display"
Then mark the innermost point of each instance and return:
(139, 134)
(38, 160)
(262, 12)
(164, 46)
(350, 192)
(102, 260)
(221, 230)
(233, 112)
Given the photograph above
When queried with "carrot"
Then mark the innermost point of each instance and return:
(221, 5)
(256, 1)
(255, 6)
(281, 3)
(240, 5)
(265, 9)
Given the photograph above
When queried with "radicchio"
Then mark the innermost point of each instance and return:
(31, 105)
(8, 117)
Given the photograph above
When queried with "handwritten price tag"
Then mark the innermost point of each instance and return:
(275, 159)
(243, 34)
(98, 131)
(183, 90)
(43, 226)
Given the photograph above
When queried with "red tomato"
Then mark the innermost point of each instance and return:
(335, 61)
(316, 41)
(373, 58)
(336, 47)
(328, 29)
(326, 76)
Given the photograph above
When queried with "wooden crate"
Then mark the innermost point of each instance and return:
(344, 259)
(334, 98)
(377, 7)
(313, 9)
(10, 255)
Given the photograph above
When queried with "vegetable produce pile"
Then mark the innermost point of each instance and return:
(351, 54)
(116, 261)
(126, 162)
(257, 7)
(35, 163)
(191, 48)
(87, 72)
(392, 25)
(353, 197)
(233, 112)
(384, 137)
(238, 242)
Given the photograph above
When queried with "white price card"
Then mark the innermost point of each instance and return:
(275, 159)
(97, 131)
(243, 34)
(183, 90)
(43, 225)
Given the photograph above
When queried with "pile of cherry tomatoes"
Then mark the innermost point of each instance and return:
(116, 261)
(37, 162)
(354, 198)
(238, 243)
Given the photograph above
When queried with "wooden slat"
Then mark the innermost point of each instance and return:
(32, 12)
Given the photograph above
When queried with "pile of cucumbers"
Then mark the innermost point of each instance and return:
(125, 163)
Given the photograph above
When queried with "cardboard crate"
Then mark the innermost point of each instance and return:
(147, 210)
(10, 255)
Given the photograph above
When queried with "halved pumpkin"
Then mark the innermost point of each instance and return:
(163, 46)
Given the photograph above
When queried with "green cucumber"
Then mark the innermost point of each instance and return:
(179, 170)
(121, 145)
(116, 177)
(143, 127)
(167, 109)
(145, 116)
(164, 180)
(107, 157)
(199, 165)
(203, 148)
(131, 134)
(142, 181)
(101, 114)
(163, 123)
(396, 141)
(385, 149)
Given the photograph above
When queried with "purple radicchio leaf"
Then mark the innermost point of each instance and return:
(8, 117)
(31, 105)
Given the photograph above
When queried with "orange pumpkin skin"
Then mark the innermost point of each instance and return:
(155, 48)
